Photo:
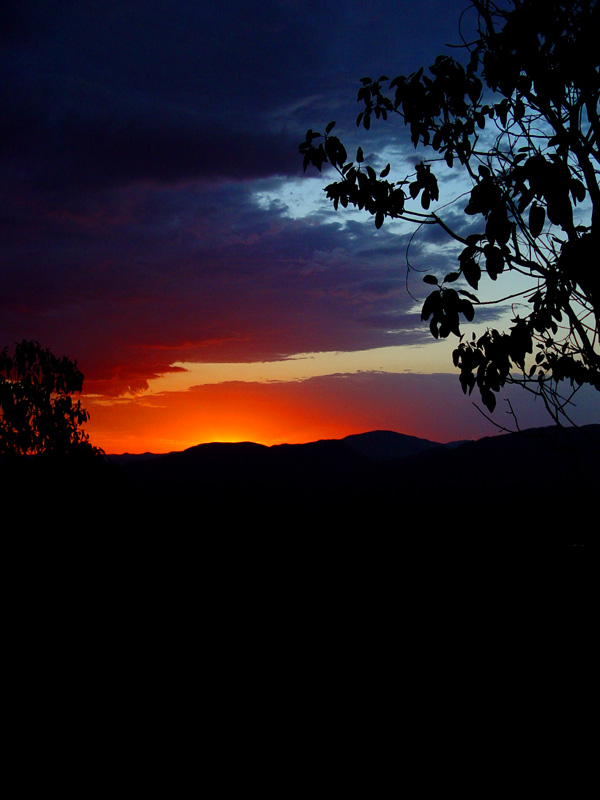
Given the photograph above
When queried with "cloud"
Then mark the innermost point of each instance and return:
(131, 281)
(198, 272)
(151, 210)
(105, 93)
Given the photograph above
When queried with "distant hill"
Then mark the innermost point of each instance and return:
(388, 445)
(384, 481)
(536, 484)
(376, 445)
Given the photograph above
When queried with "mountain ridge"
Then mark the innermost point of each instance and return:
(378, 461)
(535, 483)
(378, 444)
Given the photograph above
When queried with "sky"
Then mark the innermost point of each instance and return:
(156, 224)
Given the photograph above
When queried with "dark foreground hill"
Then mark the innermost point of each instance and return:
(537, 483)
(540, 457)
(322, 468)
(537, 480)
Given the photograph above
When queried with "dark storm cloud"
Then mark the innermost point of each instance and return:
(131, 139)
(80, 119)
(118, 92)
(166, 275)
(103, 92)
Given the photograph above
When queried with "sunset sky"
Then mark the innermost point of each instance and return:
(157, 227)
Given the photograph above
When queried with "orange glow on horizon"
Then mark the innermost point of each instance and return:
(429, 406)
(178, 420)
(293, 412)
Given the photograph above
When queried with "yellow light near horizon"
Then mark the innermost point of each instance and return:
(435, 356)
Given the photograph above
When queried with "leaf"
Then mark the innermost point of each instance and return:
(494, 261)
(447, 327)
(359, 155)
(430, 279)
(488, 399)
(474, 238)
(472, 272)
(498, 228)
(451, 277)
(537, 217)
(466, 308)
(385, 172)
(519, 110)
(432, 305)
(379, 219)
(526, 198)
(329, 128)
(578, 190)
(450, 300)
(469, 295)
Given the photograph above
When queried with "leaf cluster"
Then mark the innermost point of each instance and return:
(38, 414)
(359, 185)
(520, 119)
(444, 306)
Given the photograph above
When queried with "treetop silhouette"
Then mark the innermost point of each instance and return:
(38, 416)
(520, 119)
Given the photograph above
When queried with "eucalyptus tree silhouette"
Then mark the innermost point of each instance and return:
(38, 415)
(520, 119)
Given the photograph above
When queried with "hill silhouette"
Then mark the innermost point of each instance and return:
(536, 482)
(388, 445)
(536, 485)
(317, 465)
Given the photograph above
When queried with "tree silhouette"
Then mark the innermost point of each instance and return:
(38, 416)
(520, 119)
